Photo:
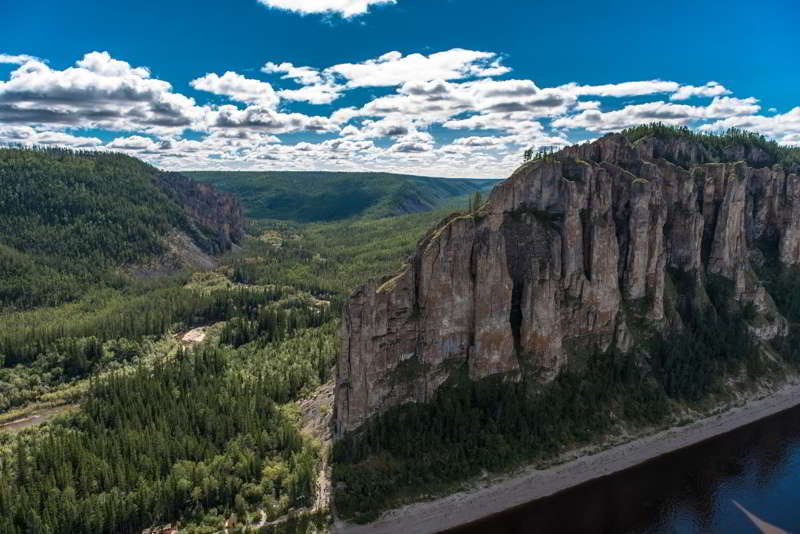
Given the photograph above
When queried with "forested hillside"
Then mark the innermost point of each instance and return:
(69, 219)
(308, 196)
(162, 432)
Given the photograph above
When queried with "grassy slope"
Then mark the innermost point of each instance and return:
(329, 196)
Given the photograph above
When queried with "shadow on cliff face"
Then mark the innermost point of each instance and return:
(528, 234)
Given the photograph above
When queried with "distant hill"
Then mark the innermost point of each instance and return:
(71, 218)
(328, 196)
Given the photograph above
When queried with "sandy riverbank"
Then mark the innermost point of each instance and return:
(531, 484)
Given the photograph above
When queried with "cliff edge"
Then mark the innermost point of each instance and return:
(576, 252)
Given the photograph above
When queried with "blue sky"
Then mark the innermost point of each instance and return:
(437, 87)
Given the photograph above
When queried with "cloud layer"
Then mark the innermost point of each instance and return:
(455, 112)
(344, 8)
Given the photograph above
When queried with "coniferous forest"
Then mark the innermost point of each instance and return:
(164, 432)
(172, 440)
(69, 220)
(155, 430)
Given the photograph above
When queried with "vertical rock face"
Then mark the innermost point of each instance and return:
(549, 267)
(218, 215)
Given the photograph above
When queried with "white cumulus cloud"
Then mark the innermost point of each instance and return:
(708, 90)
(344, 8)
(99, 92)
(237, 87)
(659, 111)
(25, 135)
(393, 68)
(303, 75)
(17, 59)
(638, 88)
(444, 113)
(313, 94)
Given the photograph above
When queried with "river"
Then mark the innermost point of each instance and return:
(692, 490)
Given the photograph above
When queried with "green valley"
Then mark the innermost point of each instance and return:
(328, 196)
(150, 425)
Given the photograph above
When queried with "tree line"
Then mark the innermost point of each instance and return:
(164, 443)
(498, 423)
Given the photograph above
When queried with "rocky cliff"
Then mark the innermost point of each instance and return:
(217, 216)
(212, 223)
(573, 253)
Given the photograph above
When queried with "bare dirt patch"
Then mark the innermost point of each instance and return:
(194, 336)
(36, 417)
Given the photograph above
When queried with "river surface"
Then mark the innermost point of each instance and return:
(691, 490)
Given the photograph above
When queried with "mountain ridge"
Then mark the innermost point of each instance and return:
(573, 254)
(68, 219)
(317, 196)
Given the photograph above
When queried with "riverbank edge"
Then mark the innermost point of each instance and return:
(504, 493)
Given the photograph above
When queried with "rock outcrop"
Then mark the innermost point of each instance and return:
(217, 216)
(213, 223)
(564, 253)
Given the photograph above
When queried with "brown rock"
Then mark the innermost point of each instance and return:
(553, 264)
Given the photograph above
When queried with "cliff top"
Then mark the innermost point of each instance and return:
(720, 147)
(681, 146)
(687, 148)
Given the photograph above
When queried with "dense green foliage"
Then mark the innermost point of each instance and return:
(277, 298)
(158, 444)
(328, 196)
(492, 424)
(783, 285)
(42, 351)
(717, 143)
(68, 218)
(164, 434)
(47, 349)
(496, 425)
(709, 343)
(329, 260)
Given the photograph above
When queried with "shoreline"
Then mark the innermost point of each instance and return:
(529, 484)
